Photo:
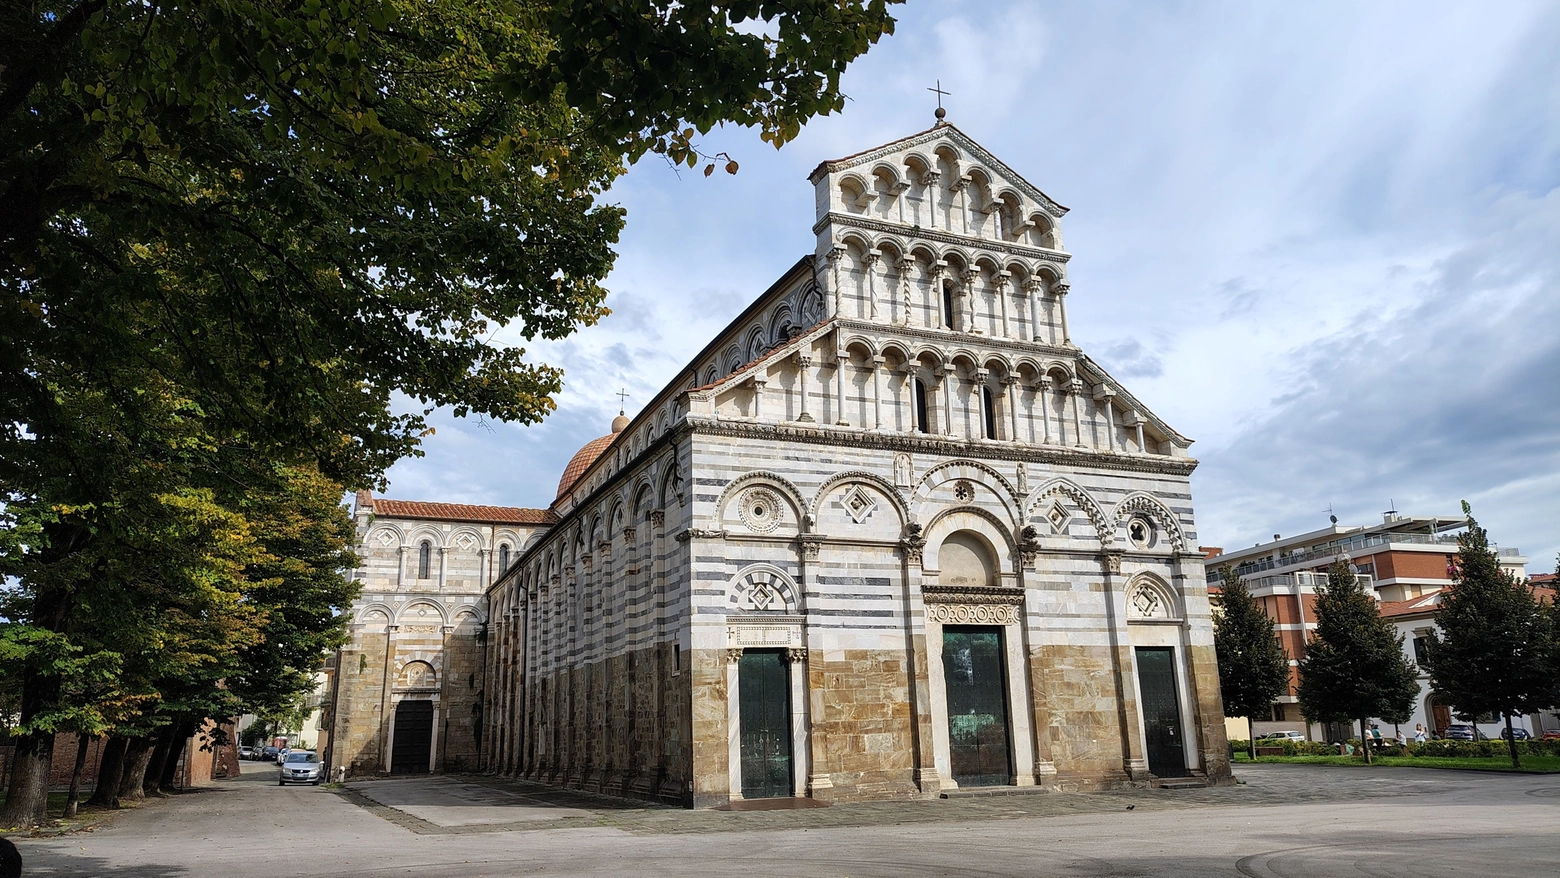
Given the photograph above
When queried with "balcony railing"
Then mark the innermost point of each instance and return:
(1303, 579)
(1351, 545)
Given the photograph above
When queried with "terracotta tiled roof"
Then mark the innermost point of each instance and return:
(461, 512)
(581, 462)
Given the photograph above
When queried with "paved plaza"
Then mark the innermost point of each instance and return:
(1283, 821)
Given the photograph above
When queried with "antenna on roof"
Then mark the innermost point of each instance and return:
(1331, 516)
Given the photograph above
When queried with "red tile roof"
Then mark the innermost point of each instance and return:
(581, 462)
(461, 512)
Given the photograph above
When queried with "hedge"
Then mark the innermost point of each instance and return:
(1430, 749)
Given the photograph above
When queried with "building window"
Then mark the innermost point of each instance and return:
(922, 423)
(947, 305)
(503, 558)
(424, 559)
(1278, 712)
(988, 409)
(1421, 649)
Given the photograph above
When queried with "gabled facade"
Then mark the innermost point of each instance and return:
(890, 533)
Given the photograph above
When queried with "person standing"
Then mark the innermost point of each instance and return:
(1419, 733)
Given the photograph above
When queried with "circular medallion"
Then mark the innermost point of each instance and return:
(760, 510)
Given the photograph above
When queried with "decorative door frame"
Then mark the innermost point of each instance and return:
(786, 633)
(996, 607)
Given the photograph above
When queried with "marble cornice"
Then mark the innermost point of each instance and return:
(921, 443)
(1056, 257)
(952, 339)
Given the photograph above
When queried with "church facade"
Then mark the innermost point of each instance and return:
(890, 533)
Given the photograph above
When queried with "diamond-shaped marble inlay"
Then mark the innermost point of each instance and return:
(858, 504)
(1058, 518)
(386, 538)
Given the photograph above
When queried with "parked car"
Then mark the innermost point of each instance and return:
(267, 752)
(281, 755)
(1280, 737)
(1552, 734)
(1517, 734)
(1460, 733)
(300, 766)
(246, 752)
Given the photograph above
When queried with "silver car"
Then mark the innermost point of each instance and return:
(300, 766)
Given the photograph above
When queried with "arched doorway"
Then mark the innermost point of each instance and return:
(975, 682)
(413, 740)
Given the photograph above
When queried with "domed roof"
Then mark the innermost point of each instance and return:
(586, 456)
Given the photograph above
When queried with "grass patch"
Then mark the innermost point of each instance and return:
(1544, 764)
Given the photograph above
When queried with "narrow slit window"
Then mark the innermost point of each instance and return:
(503, 558)
(988, 411)
(947, 305)
(424, 559)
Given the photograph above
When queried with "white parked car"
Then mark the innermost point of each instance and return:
(300, 766)
(1281, 736)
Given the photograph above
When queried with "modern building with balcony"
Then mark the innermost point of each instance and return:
(1404, 560)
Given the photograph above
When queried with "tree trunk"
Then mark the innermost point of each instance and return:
(170, 770)
(110, 767)
(1365, 740)
(1251, 738)
(154, 765)
(74, 797)
(1511, 744)
(27, 798)
(137, 754)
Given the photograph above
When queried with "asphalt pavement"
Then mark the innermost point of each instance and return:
(1285, 821)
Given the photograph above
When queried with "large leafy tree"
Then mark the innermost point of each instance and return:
(1253, 665)
(236, 228)
(1492, 652)
(1354, 667)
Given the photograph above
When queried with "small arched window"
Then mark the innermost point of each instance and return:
(424, 559)
(922, 421)
(988, 410)
(503, 558)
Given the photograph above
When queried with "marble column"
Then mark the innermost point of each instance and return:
(877, 392)
(978, 391)
(869, 267)
(1061, 305)
(968, 278)
(1033, 287)
(835, 294)
(841, 362)
(1010, 394)
(1103, 396)
(804, 374)
(758, 397)
(1075, 390)
(1043, 399)
(999, 284)
(906, 266)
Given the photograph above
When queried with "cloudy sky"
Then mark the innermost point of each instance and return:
(1323, 240)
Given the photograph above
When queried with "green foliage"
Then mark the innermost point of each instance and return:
(1253, 666)
(1354, 666)
(1494, 650)
(230, 231)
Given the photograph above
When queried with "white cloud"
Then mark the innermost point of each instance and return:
(1319, 239)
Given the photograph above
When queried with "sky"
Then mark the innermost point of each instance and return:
(1322, 240)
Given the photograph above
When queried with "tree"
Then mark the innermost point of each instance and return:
(1492, 652)
(1354, 667)
(238, 227)
(1253, 665)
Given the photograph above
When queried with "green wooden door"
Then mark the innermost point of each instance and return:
(764, 689)
(977, 706)
(1163, 735)
(413, 737)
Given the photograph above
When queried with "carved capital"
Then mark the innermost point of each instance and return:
(834, 253)
(1059, 289)
(630, 532)
(1034, 285)
(1075, 386)
(905, 264)
(1112, 562)
(808, 544)
(658, 518)
(1028, 545)
(734, 655)
(795, 654)
(968, 276)
(604, 547)
(588, 560)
